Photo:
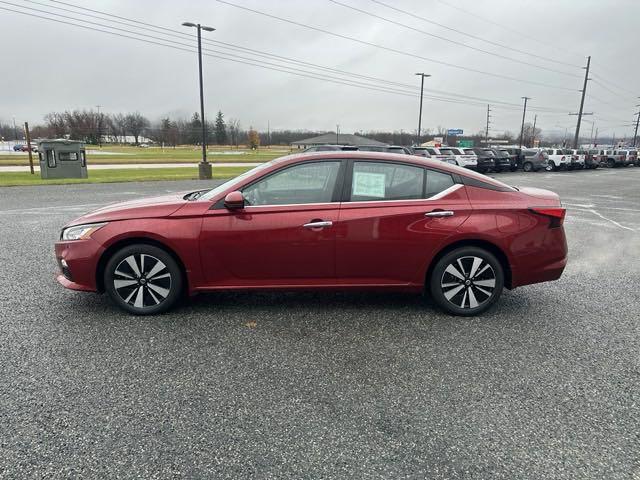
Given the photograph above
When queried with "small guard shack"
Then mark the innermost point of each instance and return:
(62, 158)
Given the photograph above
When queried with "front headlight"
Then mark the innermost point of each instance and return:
(80, 232)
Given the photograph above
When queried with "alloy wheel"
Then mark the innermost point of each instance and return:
(142, 280)
(468, 282)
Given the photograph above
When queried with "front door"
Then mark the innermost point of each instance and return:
(284, 235)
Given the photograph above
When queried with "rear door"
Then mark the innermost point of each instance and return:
(393, 217)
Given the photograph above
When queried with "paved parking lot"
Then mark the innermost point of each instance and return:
(307, 385)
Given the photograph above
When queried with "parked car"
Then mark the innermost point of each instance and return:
(577, 158)
(518, 152)
(386, 148)
(331, 220)
(513, 159)
(614, 159)
(558, 159)
(534, 159)
(593, 158)
(26, 148)
(329, 148)
(18, 147)
(435, 153)
(421, 152)
(630, 156)
(462, 158)
(486, 158)
(502, 160)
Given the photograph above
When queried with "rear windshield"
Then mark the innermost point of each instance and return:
(447, 151)
(488, 152)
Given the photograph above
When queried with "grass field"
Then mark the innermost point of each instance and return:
(183, 154)
(9, 179)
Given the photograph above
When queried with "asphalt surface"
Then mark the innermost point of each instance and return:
(325, 385)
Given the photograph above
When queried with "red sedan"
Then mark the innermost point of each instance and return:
(327, 220)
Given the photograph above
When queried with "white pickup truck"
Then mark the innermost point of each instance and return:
(558, 159)
(463, 159)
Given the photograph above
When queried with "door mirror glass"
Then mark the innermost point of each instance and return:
(234, 200)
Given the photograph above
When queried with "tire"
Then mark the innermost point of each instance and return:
(128, 279)
(551, 166)
(497, 169)
(611, 163)
(451, 281)
(527, 167)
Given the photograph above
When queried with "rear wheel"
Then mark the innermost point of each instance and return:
(466, 281)
(527, 167)
(611, 163)
(551, 166)
(143, 279)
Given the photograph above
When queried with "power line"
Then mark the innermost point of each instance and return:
(475, 37)
(504, 27)
(408, 27)
(393, 50)
(606, 80)
(282, 69)
(341, 72)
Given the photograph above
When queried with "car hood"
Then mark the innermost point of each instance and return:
(161, 206)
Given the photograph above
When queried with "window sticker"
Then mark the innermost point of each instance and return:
(367, 184)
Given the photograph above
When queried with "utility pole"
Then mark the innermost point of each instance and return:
(15, 130)
(268, 133)
(204, 167)
(595, 139)
(533, 134)
(635, 135)
(337, 134)
(99, 126)
(486, 132)
(422, 77)
(27, 137)
(584, 91)
(524, 112)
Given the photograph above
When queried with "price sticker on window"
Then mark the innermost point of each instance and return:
(366, 184)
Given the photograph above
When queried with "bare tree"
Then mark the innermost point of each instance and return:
(136, 124)
(233, 127)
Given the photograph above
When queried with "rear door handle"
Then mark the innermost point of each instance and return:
(439, 213)
(318, 224)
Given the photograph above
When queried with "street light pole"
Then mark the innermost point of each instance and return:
(524, 112)
(422, 76)
(204, 167)
(635, 135)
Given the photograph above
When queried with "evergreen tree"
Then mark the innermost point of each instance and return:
(220, 129)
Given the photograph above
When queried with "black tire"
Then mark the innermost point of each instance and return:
(551, 166)
(611, 163)
(128, 275)
(527, 167)
(453, 277)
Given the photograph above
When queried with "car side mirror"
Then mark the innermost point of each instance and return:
(234, 200)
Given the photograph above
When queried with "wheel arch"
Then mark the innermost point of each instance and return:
(125, 242)
(485, 244)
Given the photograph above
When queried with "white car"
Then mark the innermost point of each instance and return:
(558, 159)
(579, 158)
(463, 158)
(438, 154)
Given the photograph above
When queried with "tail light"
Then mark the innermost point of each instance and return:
(563, 158)
(554, 214)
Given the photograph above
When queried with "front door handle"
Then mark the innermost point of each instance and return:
(439, 213)
(318, 224)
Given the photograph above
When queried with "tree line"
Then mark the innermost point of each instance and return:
(93, 127)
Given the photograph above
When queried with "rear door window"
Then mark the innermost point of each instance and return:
(375, 181)
(437, 182)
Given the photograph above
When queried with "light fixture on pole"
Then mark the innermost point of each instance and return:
(422, 77)
(204, 167)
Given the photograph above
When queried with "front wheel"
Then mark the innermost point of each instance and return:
(143, 279)
(551, 167)
(466, 281)
(527, 167)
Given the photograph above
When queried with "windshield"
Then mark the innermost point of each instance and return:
(220, 188)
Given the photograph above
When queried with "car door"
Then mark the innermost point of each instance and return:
(393, 217)
(284, 234)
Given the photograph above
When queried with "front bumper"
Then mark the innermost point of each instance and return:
(81, 258)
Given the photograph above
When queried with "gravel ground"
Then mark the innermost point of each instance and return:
(325, 385)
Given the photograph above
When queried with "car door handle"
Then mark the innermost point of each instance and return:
(439, 213)
(318, 224)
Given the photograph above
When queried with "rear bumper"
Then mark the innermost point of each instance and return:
(545, 273)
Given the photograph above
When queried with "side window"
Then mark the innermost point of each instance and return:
(303, 183)
(68, 156)
(437, 182)
(386, 181)
(51, 159)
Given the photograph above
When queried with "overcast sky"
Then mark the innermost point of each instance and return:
(53, 66)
